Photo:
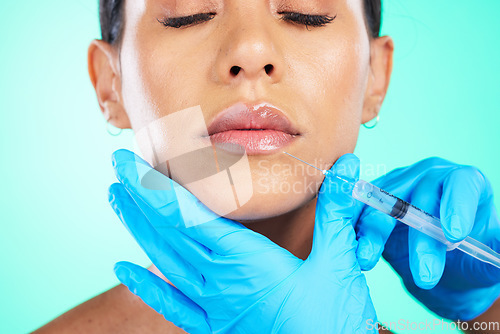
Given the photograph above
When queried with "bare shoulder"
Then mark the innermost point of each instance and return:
(114, 311)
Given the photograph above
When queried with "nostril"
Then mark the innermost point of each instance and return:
(269, 68)
(235, 70)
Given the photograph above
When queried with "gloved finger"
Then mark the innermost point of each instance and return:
(427, 259)
(462, 190)
(189, 249)
(427, 256)
(180, 272)
(183, 209)
(396, 249)
(163, 298)
(373, 229)
(334, 239)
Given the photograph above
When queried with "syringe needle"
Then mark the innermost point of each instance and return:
(321, 170)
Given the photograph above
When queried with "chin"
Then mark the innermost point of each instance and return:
(261, 209)
(264, 201)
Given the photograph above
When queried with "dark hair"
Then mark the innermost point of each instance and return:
(111, 18)
(373, 14)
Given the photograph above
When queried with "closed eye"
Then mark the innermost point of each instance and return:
(307, 19)
(178, 22)
(299, 18)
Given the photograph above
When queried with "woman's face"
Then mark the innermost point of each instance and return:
(318, 76)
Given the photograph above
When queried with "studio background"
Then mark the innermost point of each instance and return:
(59, 238)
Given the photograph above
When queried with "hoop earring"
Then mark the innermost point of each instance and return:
(374, 125)
(114, 134)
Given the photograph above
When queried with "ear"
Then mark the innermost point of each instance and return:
(381, 52)
(105, 75)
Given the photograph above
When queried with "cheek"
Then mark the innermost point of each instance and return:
(157, 82)
(334, 79)
(145, 84)
(344, 76)
(345, 82)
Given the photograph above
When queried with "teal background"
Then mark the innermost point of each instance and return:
(59, 238)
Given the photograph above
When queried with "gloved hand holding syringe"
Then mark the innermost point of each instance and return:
(414, 217)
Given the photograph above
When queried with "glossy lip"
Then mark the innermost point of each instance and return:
(257, 128)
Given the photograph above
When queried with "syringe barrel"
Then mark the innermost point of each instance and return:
(401, 210)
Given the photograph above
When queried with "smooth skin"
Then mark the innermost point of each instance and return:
(321, 78)
(328, 80)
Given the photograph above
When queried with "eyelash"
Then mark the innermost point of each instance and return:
(299, 18)
(177, 22)
(306, 19)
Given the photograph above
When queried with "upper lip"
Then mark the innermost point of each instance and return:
(246, 116)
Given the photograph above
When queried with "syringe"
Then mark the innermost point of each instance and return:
(414, 217)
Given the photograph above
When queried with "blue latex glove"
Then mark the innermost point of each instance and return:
(452, 284)
(231, 279)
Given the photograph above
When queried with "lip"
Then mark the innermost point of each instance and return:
(257, 128)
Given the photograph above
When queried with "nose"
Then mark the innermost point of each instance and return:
(249, 49)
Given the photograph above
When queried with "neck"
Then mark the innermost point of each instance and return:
(292, 231)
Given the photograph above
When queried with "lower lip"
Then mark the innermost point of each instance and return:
(254, 141)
